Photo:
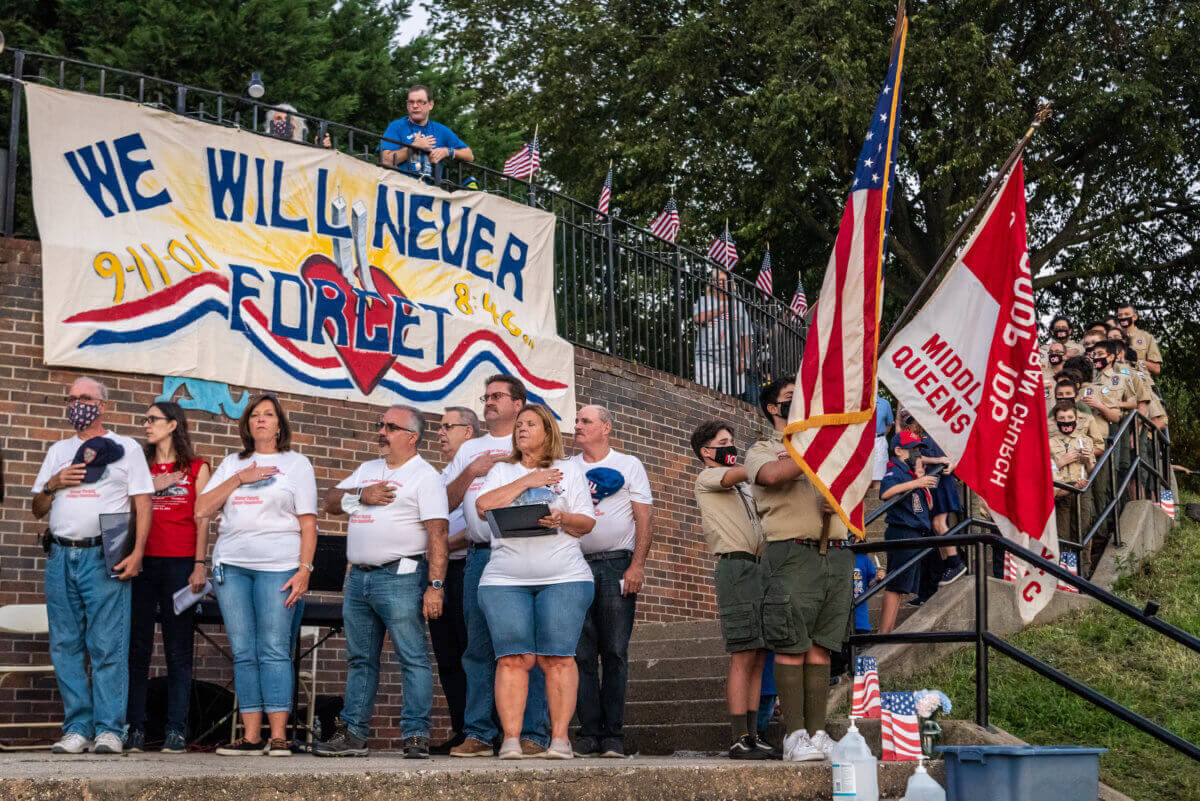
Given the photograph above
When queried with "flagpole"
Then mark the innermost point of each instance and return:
(1043, 113)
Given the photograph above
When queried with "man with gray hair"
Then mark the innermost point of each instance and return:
(395, 543)
(95, 473)
(616, 550)
(448, 633)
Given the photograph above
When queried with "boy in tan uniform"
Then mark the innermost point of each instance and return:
(731, 529)
(806, 610)
(1141, 341)
(1073, 456)
(1091, 426)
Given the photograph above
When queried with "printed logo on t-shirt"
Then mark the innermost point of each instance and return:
(266, 482)
(858, 582)
(604, 482)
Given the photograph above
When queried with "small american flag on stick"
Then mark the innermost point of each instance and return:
(526, 161)
(723, 251)
(666, 225)
(605, 193)
(866, 688)
(799, 304)
(764, 281)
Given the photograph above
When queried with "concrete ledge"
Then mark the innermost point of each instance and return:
(205, 777)
(1144, 528)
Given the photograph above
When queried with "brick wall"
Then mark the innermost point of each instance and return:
(655, 413)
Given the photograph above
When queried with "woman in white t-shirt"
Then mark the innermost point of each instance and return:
(267, 498)
(535, 591)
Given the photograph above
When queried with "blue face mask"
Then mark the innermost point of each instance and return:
(81, 415)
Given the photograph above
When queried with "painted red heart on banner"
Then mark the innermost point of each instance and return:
(366, 368)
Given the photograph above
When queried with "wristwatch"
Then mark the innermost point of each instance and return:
(47, 491)
(308, 566)
(437, 584)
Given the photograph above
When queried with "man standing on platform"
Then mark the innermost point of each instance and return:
(94, 473)
(396, 544)
(448, 633)
(616, 550)
(806, 609)
(503, 397)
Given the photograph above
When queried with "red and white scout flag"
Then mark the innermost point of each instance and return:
(831, 428)
(967, 369)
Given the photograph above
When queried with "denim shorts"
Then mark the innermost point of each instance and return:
(542, 619)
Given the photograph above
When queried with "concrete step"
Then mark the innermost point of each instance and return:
(681, 712)
(658, 649)
(687, 667)
(639, 689)
(687, 630)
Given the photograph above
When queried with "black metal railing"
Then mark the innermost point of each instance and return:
(1145, 475)
(985, 641)
(619, 289)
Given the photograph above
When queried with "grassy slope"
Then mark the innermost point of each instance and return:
(1138, 668)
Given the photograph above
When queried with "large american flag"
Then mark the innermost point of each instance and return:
(831, 431)
(525, 162)
(723, 251)
(866, 688)
(799, 304)
(666, 225)
(898, 722)
(605, 193)
(764, 281)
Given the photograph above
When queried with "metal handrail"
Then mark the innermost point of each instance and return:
(620, 289)
(986, 640)
(874, 514)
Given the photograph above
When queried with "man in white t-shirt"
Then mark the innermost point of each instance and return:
(395, 541)
(503, 397)
(94, 473)
(616, 550)
(448, 633)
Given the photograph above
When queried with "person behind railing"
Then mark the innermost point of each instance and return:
(722, 336)
(535, 591)
(1073, 455)
(1116, 393)
(1066, 389)
(176, 553)
(1060, 332)
(413, 144)
(266, 494)
(908, 518)
(284, 122)
(945, 566)
(92, 473)
(1052, 364)
(807, 601)
(1141, 341)
(732, 532)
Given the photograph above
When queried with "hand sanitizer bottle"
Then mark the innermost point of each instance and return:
(855, 769)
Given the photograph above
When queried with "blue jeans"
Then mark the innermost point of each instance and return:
(374, 602)
(603, 651)
(479, 663)
(88, 614)
(160, 579)
(260, 631)
(541, 619)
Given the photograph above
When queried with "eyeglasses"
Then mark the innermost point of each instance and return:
(81, 399)
(495, 396)
(448, 426)
(392, 427)
(152, 418)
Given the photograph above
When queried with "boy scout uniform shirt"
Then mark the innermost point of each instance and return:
(1060, 444)
(1143, 344)
(912, 511)
(792, 510)
(1112, 387)
(727, 515)
(1141, 389)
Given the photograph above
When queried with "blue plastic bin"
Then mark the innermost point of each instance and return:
(1022, 772)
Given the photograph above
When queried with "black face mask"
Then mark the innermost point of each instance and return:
(1124, 322)
(1062, 333)
(785, 408)
(726, 455)
(1066, 428)
(1054, 358)
(1100, 362)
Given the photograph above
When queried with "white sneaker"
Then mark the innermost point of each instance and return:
(823, 743)
(108, 743)
(798, 748)
(71, 744)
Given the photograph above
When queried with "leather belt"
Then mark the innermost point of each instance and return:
(746, 555)
(600, 556)
(388, 565)
(817, 543)
(479, 546)
(88, 542)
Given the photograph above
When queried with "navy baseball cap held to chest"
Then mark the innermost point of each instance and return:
(96, 455)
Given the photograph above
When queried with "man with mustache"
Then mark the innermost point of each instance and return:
(396, 546)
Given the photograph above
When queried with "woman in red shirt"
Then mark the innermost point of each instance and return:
(175, 557)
